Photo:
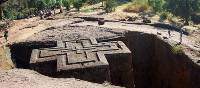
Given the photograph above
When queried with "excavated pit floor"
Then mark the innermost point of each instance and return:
(154, 65)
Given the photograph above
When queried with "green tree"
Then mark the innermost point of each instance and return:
(1, 8)
(110, 5)
(66, 3)
(77, 4)
(41, 5)
(59, 3)
(1, 12)
(32, 3)
(183, 8)
(157, 5)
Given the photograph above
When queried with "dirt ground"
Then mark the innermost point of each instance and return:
(21, 78)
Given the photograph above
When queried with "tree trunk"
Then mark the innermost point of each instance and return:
(149, 3)
(1, 13)
(26, 4)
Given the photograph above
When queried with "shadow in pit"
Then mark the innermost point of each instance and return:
(21, 52)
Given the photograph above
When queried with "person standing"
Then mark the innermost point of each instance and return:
(6, 35)
(181, 36)
(169, 33)
(41, 13)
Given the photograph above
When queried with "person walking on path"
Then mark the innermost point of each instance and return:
(6, 35)
(169, 33)
(181, 36)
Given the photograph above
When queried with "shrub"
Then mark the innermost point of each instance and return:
(177, 49)
(157, 5)
(136, 8)
(66, 3)
(10, 13)
(90, 2)
(77, 4)
(183, 8)
(41, 5)
(164, 16)
(110, 5)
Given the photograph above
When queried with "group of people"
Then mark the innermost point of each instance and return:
(181, 35)
(45, 13)
(5, 35)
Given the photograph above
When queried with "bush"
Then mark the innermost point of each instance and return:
(183, 8)
(157, 5)
(77, 4)
(10, 13)
(177, 49)
(91, 2)
(41, 5)
(66, 3)
(164, 16)
(136, 8)
(110, 5)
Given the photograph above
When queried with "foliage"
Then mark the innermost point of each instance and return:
(136, 7)
(77, 4)
(41, 5)
(10, 12)
(14, 9)
(183, 8)
(165, 16)
(157, 5)
(110, 5)
(143, 5)
(177, 49)
(90, 2)
(18, 9)
(66, 3)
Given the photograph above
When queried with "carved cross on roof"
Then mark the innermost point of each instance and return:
(78, 54)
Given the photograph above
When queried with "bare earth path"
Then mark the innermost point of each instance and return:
(21, 78)
(25, 28)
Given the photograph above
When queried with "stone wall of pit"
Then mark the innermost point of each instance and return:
(156, 66)
(21, 52)
(173, 70)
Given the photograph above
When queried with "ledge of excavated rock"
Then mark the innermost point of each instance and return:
(72, 32)
(21, 78)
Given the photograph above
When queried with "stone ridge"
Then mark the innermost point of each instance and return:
(79, 54)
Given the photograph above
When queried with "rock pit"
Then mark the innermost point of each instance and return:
(153, 62)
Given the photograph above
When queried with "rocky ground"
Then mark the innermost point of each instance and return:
(72, 32)
(21, 78)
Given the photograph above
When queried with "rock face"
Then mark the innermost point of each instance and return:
(156, 66)
(173, 70)
(86, 59)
